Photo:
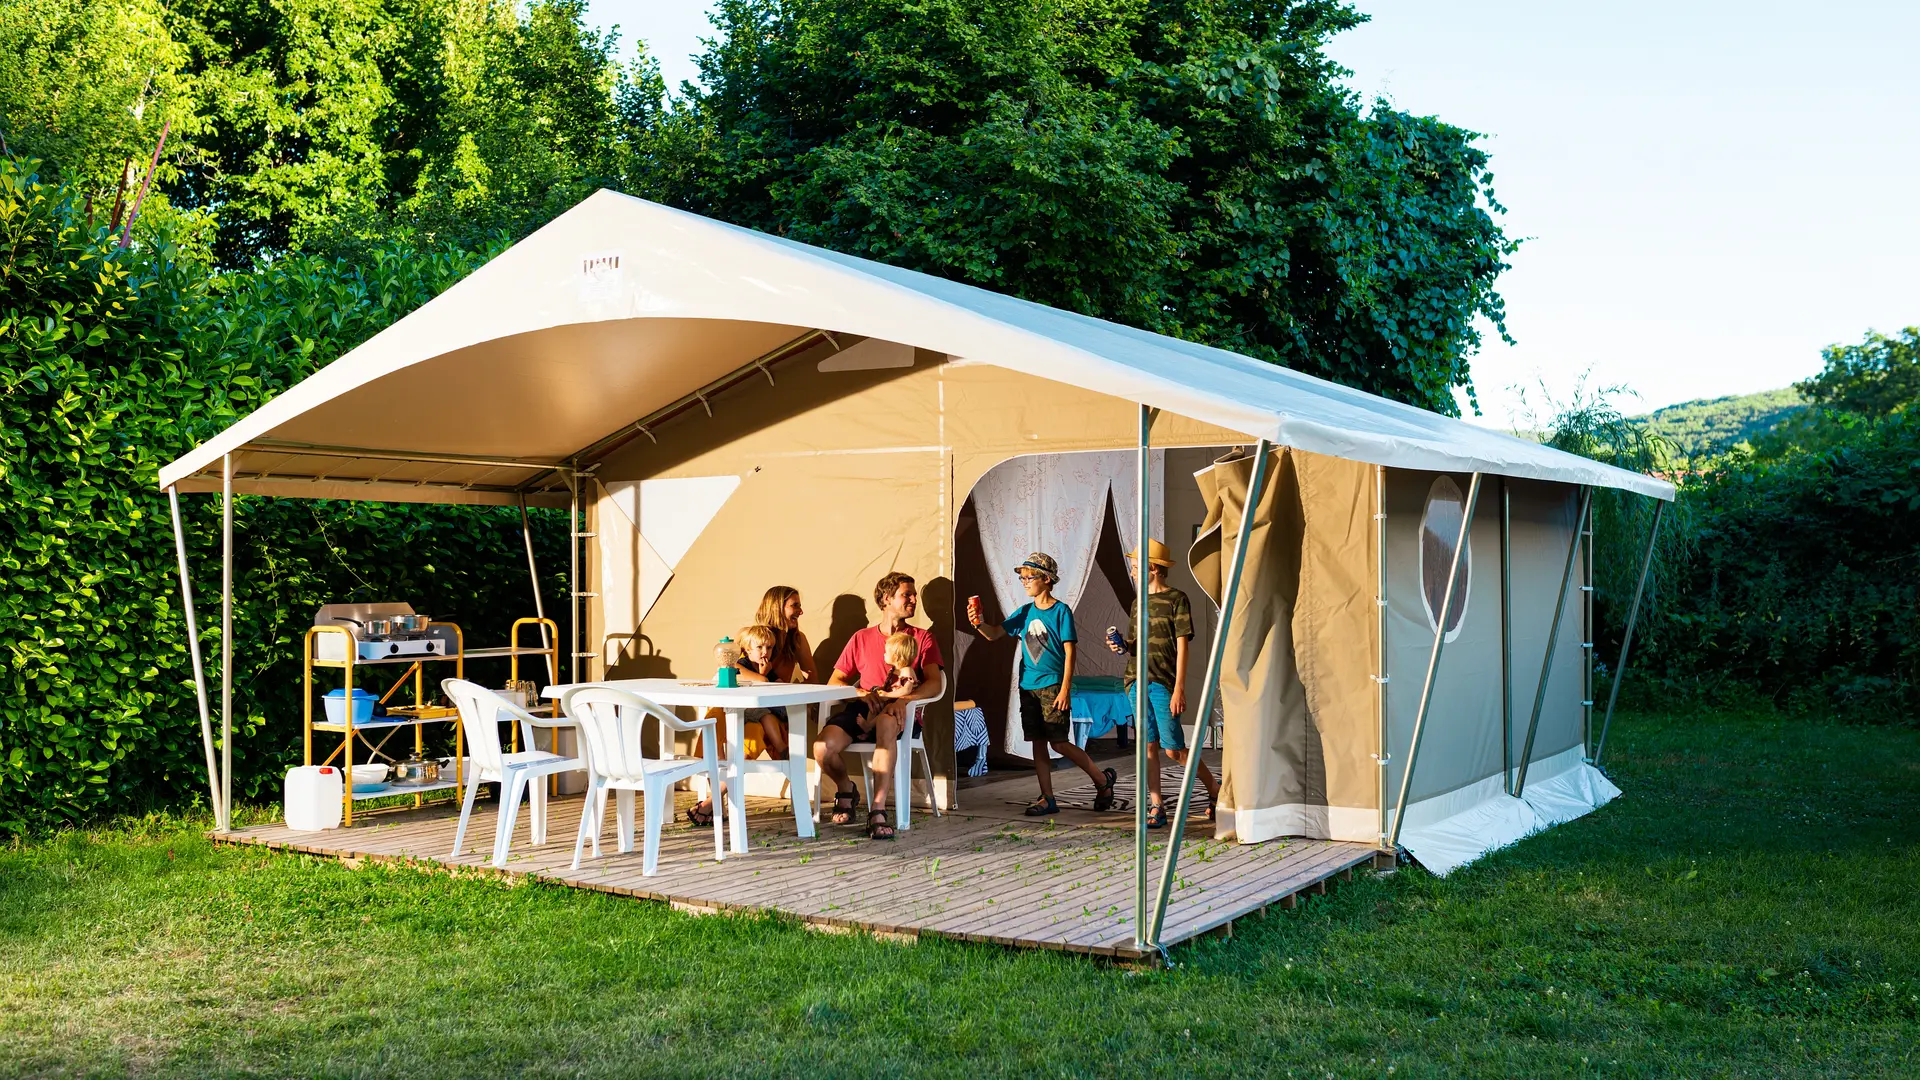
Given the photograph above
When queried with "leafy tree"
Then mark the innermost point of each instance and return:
(1880, 375)
(85, 86)
(1191, 166)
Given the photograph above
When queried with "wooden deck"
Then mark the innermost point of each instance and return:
(983, 873)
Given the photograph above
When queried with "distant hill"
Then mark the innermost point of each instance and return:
(1711, 426)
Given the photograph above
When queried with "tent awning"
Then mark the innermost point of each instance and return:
(621, 310)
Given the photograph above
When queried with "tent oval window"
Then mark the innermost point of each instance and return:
(1439, 532)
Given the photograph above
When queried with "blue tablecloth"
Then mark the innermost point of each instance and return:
(1100, 703)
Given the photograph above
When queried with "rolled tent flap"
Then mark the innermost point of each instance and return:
(1294, 684)
(1266, 765)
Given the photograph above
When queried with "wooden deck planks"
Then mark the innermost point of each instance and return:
(978, 876)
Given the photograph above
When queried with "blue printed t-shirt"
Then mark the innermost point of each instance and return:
(1043, 634)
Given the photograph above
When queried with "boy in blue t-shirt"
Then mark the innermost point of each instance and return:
(1044, 627)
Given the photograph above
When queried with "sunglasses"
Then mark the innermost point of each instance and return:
(1024, 576)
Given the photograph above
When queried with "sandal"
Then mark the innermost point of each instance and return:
(1103, 793)
(1042, 807)
(843, 807)
(1157, 816)
(701, 813)
(877, 827)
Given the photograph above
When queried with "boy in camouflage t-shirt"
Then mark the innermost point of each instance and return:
(1169, 635)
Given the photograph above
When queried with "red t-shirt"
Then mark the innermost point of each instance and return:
(865, 656)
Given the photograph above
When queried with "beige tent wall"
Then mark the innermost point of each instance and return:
(1295, 684)
(845, 475)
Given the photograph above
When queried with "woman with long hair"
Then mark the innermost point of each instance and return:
(793, 656)
(790, 660)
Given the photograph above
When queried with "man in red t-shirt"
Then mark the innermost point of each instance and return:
(863, 663)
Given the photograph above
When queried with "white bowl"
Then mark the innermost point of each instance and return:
(368, 773)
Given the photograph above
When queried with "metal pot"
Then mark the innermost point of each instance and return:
(409, 624)
(414, 770)
(371, 629)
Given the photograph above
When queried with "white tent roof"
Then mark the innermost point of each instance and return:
(621, 307)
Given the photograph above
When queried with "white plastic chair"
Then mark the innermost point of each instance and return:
(612, 724)
(481, 711)
(912, 745)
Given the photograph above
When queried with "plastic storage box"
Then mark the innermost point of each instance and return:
(336, 704)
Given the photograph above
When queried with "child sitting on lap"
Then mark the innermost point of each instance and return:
(902, 654)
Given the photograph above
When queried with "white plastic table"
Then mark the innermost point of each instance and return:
(736, 701)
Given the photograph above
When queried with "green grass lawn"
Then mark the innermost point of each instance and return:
(1747, 909)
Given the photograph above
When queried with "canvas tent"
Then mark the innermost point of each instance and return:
(728, 410)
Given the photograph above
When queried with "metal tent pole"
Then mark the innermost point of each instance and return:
(1380, 679)
(1553, 639)
(1506, 637)
(1141, 718)
(1215, 656)
(226, 642)
(533, 575)
(1433, 661)
(199, 671)
(1626, 643)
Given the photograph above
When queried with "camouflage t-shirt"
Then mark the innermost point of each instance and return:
(1169, 616)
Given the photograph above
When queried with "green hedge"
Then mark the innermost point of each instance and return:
(115, 362)
(1797, 579)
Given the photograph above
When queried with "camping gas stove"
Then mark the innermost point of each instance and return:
(400, 646)
(354, 621)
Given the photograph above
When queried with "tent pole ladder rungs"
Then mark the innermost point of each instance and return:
(199, 670)
(1626, 643)
(1216, 654)
(1553, 639)
(1383, 758)
(1433, 661)
(573, 576)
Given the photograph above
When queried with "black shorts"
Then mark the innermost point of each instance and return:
(1039, 720)
(852, 719)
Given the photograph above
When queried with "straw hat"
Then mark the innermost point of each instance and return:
(1157, 554)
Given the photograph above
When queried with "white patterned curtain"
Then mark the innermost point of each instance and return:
(1126, 495)
(1053, 503)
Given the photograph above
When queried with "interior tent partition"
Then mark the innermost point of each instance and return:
(721, 410)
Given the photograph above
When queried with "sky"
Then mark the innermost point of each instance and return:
(1708, 193)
